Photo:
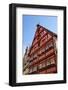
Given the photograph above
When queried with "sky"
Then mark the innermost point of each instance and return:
(29, 26)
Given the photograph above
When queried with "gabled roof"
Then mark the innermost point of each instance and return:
(50, 32)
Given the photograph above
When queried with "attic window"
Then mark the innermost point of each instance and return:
(49, 36)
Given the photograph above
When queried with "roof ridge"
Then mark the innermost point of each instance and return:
(38, 25)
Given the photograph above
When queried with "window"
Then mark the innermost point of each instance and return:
(43, 64)
(47, 47)
(34, 68)
(51, 44)
(40, 66)
(45, 32)
(49, 52)
(48, 62)
(42, 33)
(52, 61)
(35, 56)
(49, 36)
(43, 50)
(40, 52)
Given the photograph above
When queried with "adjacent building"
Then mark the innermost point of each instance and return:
(26, 62)
(42, 55)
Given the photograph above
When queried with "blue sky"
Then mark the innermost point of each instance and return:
(29, 26)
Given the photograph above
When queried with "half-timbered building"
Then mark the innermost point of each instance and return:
(43, 52)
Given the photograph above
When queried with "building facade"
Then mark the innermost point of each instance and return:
(43, 52)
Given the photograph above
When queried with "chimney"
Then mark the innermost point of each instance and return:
(38, 25)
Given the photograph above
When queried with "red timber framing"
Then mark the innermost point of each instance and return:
(43, 52)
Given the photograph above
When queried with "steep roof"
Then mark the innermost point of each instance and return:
(50, 32)
(39, 26)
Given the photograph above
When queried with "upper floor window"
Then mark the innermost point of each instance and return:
(49, 52)
(52, 61)
(43, 64)
(35, 56)
(34, 68)
(42, 33)
(40, 66)
(43, 50)
(49, 45)
(45, 32)
(48, 62)
(49, 36)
